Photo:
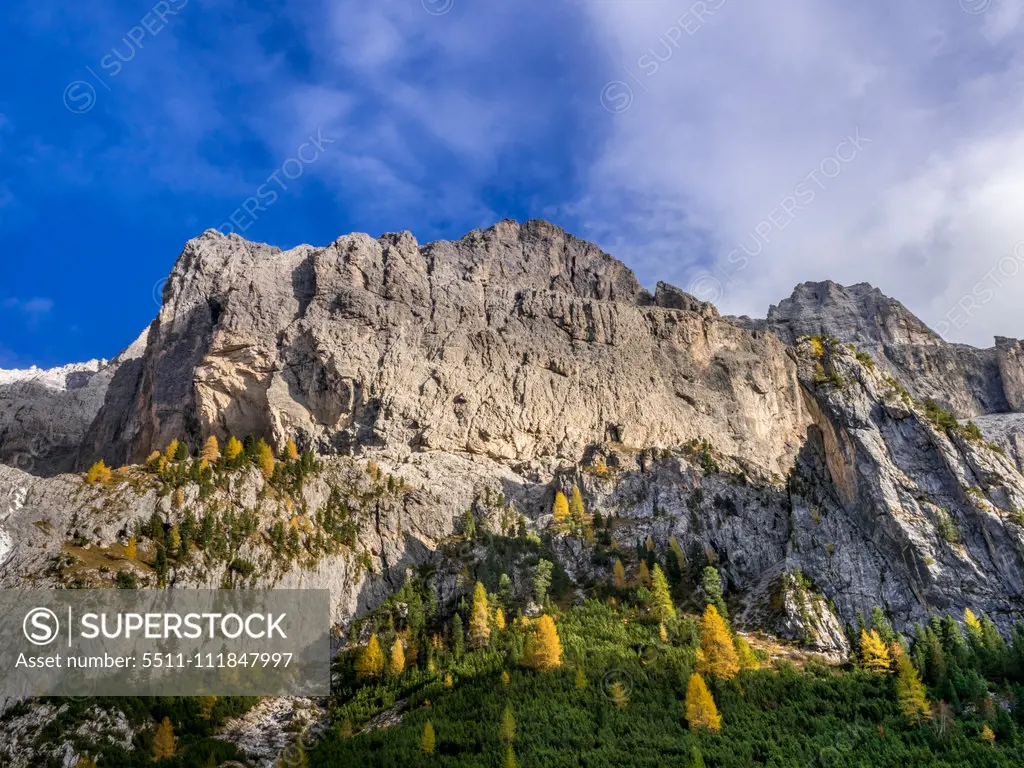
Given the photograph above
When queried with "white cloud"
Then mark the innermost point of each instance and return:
(760, 93)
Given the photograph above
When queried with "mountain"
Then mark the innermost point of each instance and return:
(821, 480)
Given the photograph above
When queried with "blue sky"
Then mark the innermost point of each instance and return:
(676, 135)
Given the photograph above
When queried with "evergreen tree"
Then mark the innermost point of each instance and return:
(479, 626)
(696, 759)
(548, 650)
(711, 584)
(396, 664)
(508, 726)
(427, 740)
(98, 473)
(370, 663)
(717, 654)
(291, 452)
(505, 590)
(661, 598)
(881, 624)
(874, 656)
(619, 575)
(181, 453)
(468, 525)
(233, 451)
(265, 459)
(542, 580)
(910, 691)
(211, 449)
(560, 510)
(701, 712)
(164, 741)
(458, 637)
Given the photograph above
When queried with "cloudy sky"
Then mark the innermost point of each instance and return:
(732, 147)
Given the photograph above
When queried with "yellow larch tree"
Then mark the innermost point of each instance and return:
(396, 664)
(211, 449)
(370, 663)
(701, 712)
(577, 512)
(644, 576)
(745, 654)
(661, 598)
(910, 691)
(547, 651)
(291, 452)
(479, 626)
(131, 550)
(171, 450)
(618, 575)
(427, 739)
(233, 449)
(874, 656)
(560, 510)
(98, 473)
(499, 619)
(164, 741)
(717, 654)
(265, 458)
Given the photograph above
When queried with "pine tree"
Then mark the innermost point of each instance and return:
(548, 650)
(508, 726)
(874, 655)
(131, 551)
(560, 510)
(458, 637)
(661, 598)
(717, 654)
(581, 679)
(542, 579)
(619, 575)
(910, 691)
(211, 449)
(181, 453)
(291, 452)
(701, 711)
(265, 458)
(164, 741)
(696, 759)
(370, 663)
(98, 473)
(427, 740)
(171, 451)
(577, 512)
(711, 585)
(233, 450)
(644, 576)
(479, 626)
(396, 664)
(745, 655)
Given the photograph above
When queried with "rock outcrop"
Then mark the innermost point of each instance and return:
(968, 380)
(519, 360)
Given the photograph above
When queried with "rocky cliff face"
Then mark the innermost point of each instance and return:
(45, 414)
(968, 380)
(520, 360)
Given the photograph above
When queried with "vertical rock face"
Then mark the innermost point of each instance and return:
(518, 358)
(970, 381)
(45, 414)
(516, 342)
